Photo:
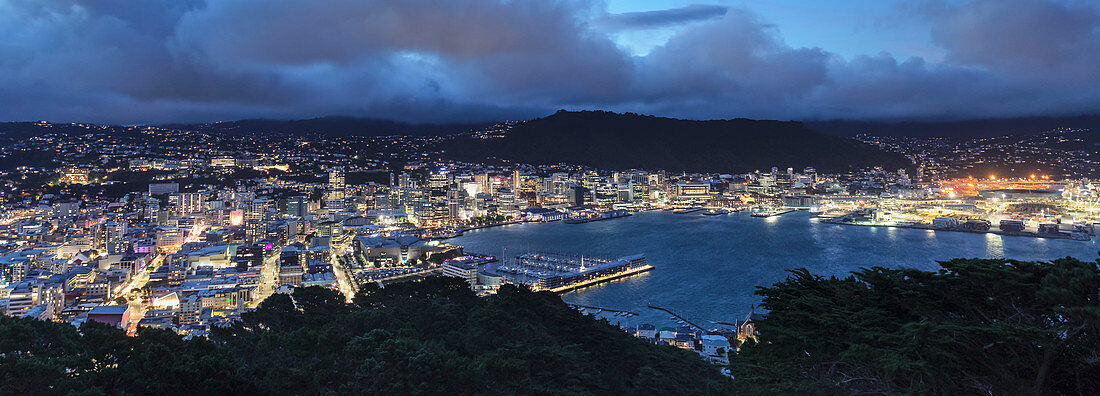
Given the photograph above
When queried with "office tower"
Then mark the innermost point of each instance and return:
(297, 206)
(336, 183)
(110, 237)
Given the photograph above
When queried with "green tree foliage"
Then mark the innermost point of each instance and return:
(976, 326)
(429, 337)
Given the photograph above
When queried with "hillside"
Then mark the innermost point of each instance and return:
(622, 141)
(430, 337)
(966, 129)
(334, 126)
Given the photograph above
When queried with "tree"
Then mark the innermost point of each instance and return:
(432, 336)
(975, 326)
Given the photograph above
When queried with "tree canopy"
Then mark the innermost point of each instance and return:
(429, 337)
(989, 326)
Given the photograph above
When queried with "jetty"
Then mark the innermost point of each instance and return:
(602, 309)
(677, 316)
(688, 210)
(773, 212)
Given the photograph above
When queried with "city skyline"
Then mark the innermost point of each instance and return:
(513, 197)
(458, 60)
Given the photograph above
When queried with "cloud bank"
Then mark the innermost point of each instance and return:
(150, 61)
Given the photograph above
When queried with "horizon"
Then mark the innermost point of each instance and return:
(461, 61)
(894, 121)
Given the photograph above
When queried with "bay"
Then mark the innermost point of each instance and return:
(707, 267)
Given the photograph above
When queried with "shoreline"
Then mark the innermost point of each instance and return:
(459, 232)
(1068, 237)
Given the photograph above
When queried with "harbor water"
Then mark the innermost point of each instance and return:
(707, 267)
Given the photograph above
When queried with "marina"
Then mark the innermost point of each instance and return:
(561, 273)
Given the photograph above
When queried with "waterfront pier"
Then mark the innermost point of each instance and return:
(677, 316)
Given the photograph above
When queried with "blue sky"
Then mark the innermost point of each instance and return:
(846, 27)
(151, 61)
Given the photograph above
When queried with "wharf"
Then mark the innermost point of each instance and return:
(459, 232)
(929, 227)
(599, 217)
(677, 316)
(688, 210)
(773, 212)
(601, 279)
(602, 309)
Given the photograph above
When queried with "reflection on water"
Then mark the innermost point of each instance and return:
(994, 246)
(707, 267)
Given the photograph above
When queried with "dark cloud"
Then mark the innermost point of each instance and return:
(191, 60)
(737, 55)
(663, 18)
(1021, 36)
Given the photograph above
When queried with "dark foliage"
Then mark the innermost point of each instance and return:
(622, 141)
(976, 327)
(428, 337)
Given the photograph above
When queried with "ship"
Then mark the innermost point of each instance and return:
(614, 214)
(769, 212)
(688, 210)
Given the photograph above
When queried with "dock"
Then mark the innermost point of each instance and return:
(601, 279)
(458, 232)
(931, 228)
(602, 308)
(688, 210)
(614, 214)
(773, 212)
(677, 316)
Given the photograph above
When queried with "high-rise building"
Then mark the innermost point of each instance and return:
(485, 180)
(297, 206)
(406, 181)
(811, 173)
(336, 182)
(111, 237)
(439, 184)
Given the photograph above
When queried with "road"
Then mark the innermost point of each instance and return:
(269, 278)
(338, 249)
(139, 280)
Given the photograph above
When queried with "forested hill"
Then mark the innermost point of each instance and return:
(965, 129)
(623, 141)
(431, 337)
